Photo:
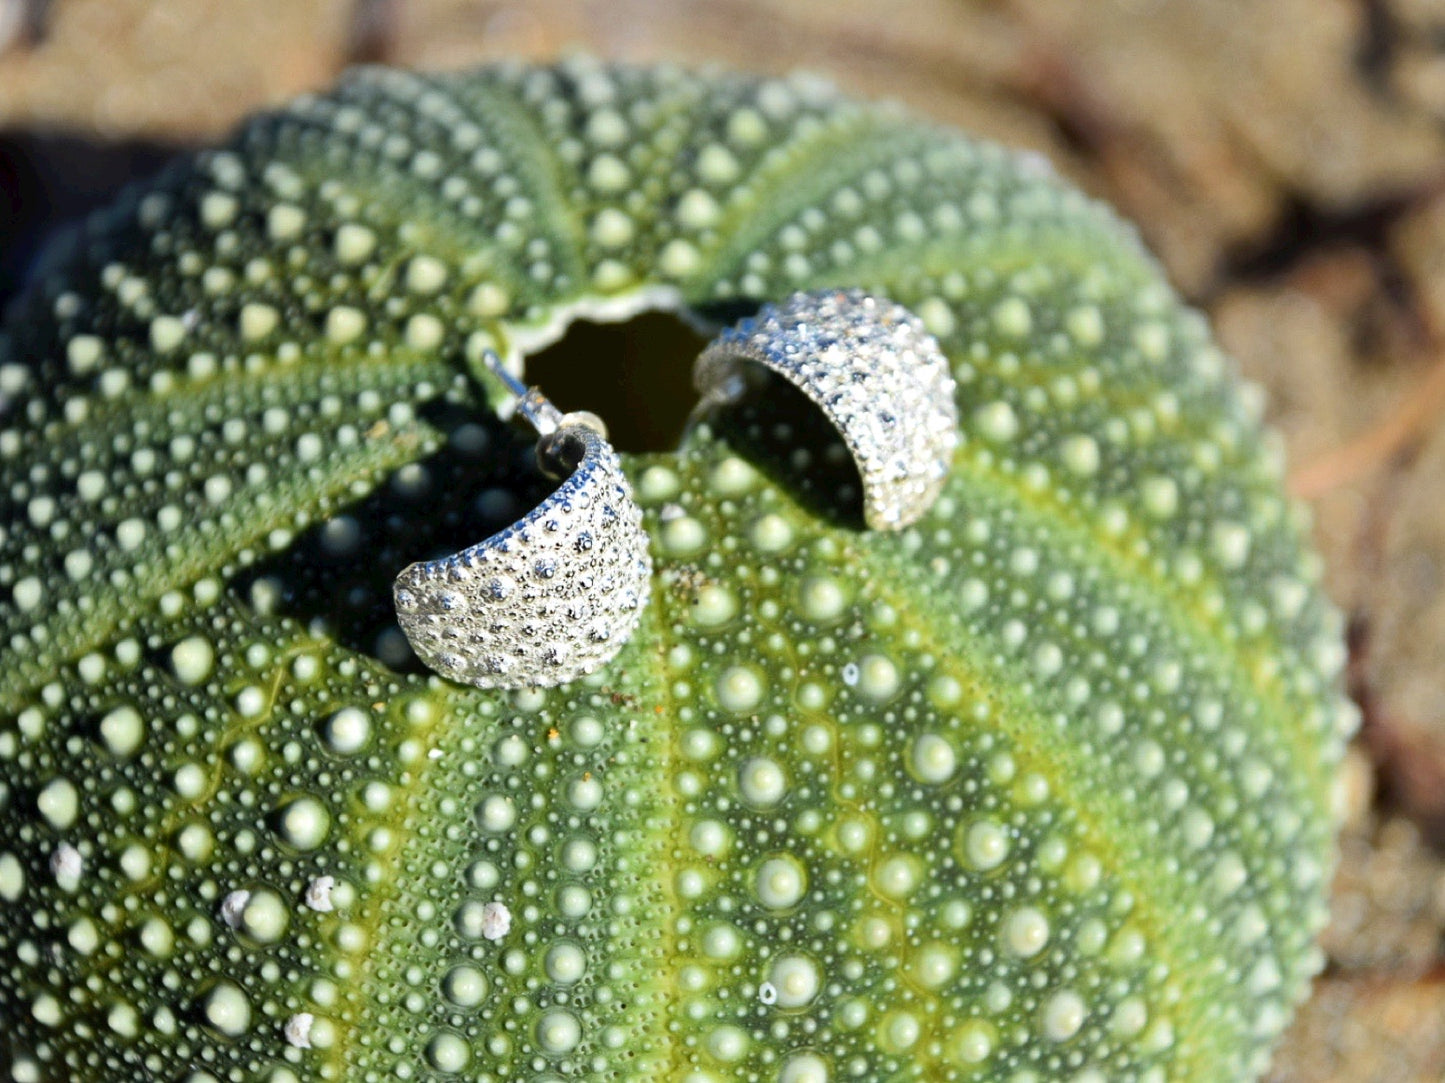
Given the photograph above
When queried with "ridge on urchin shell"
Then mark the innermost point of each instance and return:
(1034, 790)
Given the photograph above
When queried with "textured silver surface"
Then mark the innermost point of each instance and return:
(880, 377)
(545, 601)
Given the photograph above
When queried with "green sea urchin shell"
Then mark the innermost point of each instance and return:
(1037, 789)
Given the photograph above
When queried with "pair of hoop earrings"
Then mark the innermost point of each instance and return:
(557, 594)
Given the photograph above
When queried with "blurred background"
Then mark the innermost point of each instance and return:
(1285, 158)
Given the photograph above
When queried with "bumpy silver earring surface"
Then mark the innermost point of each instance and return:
(555, 595)
(877, 374)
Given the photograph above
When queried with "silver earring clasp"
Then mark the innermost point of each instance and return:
(555, 595)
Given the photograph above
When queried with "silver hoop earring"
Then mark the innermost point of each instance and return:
(555, 595)
(873, 369)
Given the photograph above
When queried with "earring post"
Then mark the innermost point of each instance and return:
(531, 403)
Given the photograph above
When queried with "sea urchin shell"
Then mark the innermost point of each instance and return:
(1035, 789)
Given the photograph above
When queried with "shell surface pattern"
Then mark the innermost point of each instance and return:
(1036, 789)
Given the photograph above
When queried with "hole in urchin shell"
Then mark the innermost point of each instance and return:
(636, 375)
